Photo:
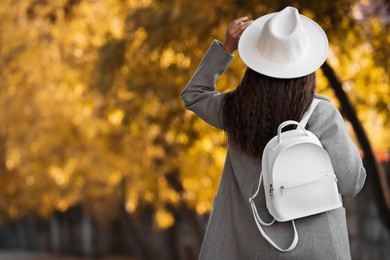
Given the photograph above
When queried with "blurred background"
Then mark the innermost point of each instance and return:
(99, 159)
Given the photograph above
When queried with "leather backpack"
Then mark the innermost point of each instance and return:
(297, 176)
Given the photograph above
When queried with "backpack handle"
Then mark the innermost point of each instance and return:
(286, 123)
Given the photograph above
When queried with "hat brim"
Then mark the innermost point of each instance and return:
(314, 57)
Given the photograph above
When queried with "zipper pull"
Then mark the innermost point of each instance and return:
(281, 191)
(271, 190)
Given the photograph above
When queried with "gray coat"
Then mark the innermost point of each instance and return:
(232, 232)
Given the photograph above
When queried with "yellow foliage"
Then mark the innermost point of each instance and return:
(90, 103)
(116, 117)
(163, 219)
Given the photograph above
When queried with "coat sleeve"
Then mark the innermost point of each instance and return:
(328, 124)
(200, 95)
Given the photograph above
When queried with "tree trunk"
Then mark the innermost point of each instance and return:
(374, 170)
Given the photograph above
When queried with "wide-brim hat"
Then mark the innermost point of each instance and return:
(284, 44)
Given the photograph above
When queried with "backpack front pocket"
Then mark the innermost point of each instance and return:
(307, 197)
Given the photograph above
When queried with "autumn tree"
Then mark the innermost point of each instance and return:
(90, 99)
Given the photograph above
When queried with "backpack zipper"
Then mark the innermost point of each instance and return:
(282, 187)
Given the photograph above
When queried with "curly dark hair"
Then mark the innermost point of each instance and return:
(252, 112)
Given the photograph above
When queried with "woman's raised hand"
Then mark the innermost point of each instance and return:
(233, 33)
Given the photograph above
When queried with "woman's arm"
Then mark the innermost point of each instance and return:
(200, 95)
(328, 124)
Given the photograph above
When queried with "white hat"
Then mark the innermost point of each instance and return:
(284, 44)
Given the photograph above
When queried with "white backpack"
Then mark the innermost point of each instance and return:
(298, 178)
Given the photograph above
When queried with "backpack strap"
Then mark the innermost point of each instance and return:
(308, 113)
(260, 222)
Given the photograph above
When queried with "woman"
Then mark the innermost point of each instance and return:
(282, 51)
